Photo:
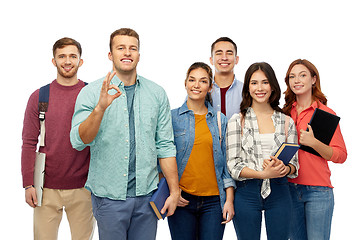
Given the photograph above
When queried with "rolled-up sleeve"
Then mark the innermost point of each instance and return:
(338, 146)
(164, 138)
(293, 138)
(233, 147)
(83, 108)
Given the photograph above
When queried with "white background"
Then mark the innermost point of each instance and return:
(173, 35)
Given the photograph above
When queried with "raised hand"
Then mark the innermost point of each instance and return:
(90, 127)
(105, 98)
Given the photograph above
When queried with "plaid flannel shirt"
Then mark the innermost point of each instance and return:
(244, 149)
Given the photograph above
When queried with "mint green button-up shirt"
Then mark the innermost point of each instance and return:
(109, 162)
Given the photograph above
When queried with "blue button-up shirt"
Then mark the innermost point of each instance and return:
(233, 98)
(109, 162)
(183, 121)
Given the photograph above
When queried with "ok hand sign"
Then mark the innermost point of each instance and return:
(105, 98)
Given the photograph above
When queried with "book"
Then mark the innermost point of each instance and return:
(323, 125)
(286, 152)
(159, 197)
(39, 174)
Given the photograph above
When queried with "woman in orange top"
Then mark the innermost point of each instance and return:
(312, 192)
(206, 201)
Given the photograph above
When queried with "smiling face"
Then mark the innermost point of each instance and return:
(67, 61)
(224, 57)
(124, 53)
(259, 88)
(300, 80)
(197, 85)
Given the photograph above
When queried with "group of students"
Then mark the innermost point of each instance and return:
(216, 150)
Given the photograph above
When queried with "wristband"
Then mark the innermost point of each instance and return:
(29, 187)
(289, 170)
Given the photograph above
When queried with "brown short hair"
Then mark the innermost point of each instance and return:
(125, 32)
(65, 41)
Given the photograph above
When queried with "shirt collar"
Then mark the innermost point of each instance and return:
(314, 105)
(116, 81)
(184, 108)
(232, 84)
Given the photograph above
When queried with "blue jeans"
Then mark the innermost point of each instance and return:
(200, 220)
(313, 208)
(249, 206)
(131, 219)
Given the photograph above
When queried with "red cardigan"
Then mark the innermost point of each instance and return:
(66, 168)
(314, 170)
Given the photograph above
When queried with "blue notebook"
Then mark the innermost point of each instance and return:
(159, 197)
(286, 152)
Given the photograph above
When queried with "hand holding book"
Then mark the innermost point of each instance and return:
(307, 137)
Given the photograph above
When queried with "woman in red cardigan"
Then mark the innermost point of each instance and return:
(312, 192)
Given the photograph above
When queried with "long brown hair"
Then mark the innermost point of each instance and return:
(290, 97)
(274, 84)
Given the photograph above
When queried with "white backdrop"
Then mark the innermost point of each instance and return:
(173, 35)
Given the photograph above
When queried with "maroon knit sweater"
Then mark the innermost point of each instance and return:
(65, 167)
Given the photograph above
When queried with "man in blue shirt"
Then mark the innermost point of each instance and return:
(126, 121)
(227, 90)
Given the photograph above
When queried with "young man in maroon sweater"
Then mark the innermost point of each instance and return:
(66, 169)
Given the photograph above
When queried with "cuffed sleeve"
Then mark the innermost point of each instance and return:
(164, 139)
(233, 147)
(339, 149)
(83, 108)
(293, 138)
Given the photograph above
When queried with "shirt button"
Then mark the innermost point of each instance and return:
(127, 140)
(125, 109)
(126, 157)
(124, 174)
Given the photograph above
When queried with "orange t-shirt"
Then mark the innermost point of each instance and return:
(199, 177)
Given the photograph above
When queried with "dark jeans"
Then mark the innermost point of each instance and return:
(199, 220)
(249, 206)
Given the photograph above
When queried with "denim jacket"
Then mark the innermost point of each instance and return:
(183, 121)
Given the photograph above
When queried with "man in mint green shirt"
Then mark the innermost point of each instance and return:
(126, 121)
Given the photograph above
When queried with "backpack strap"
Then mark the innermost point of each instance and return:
(43, 107)
(287, 122)
(219, 124)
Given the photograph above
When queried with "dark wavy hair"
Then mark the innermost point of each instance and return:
(274, 84)
(208, 70)
(317, 95)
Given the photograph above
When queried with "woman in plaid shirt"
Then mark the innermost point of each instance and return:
(252, 138)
